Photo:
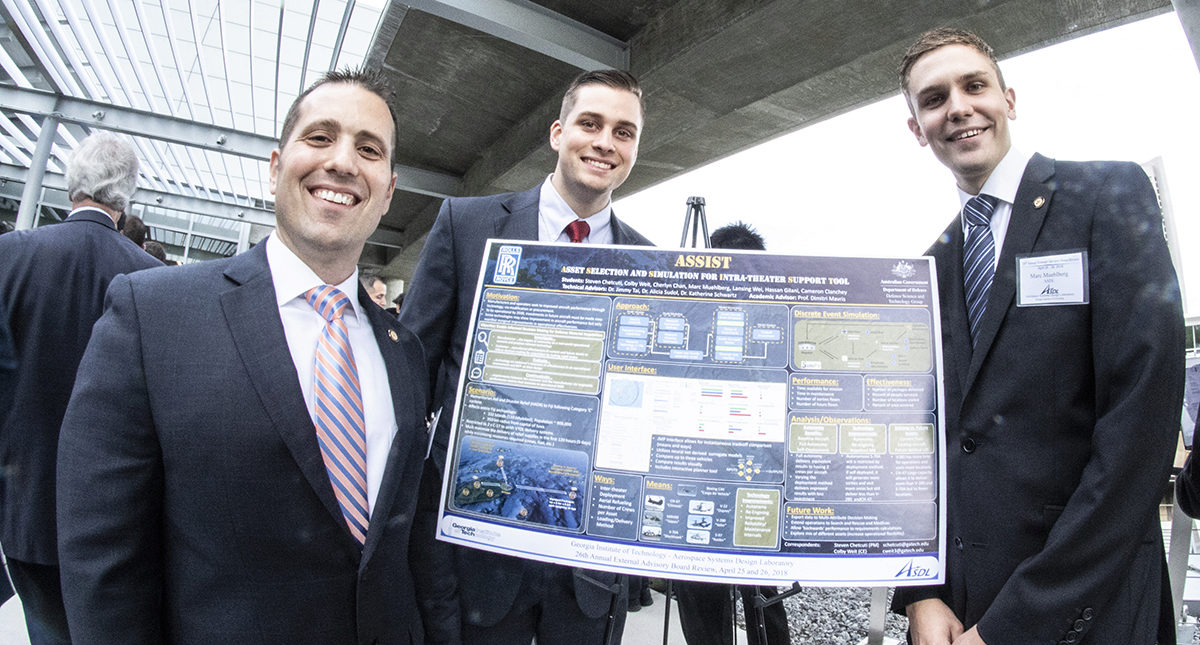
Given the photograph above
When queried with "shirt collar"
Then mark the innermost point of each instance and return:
(293, 278)
(92, 210)
(1004, 180)
(557, 213)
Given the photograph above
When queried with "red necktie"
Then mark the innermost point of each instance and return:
(338, 410)
(578, 230)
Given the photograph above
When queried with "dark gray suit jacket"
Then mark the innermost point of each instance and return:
(194, 505)
(1061, 424)
(437, 308)
(52, 284)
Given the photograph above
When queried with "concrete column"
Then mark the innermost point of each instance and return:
(1188, 12)
(31, 194)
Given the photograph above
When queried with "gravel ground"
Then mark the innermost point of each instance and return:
(835, 616)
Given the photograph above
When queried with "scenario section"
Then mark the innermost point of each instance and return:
(861, 339)
(524, 456)
(718, 424)
(548, 341)
(699, 332)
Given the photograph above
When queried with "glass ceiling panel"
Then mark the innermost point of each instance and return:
(202, 60)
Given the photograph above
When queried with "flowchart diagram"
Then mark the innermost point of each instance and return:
(699, 332)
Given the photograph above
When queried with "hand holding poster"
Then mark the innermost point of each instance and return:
(723, 416)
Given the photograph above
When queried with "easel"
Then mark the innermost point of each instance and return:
(696, 220)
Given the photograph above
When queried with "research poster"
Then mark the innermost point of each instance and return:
(702, 414)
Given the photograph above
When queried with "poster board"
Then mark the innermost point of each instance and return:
(711, 415)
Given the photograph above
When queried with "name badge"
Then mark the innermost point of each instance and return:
(1052, 279)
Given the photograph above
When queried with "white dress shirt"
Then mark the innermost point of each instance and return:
(554, 214)
(1001, 184)
(302, 326)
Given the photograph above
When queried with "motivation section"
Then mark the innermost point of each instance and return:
(861, 339)
(537, 340)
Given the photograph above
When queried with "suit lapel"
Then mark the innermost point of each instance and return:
(620, 234)
(1028, 212)
(253, 319)
(396, 356)
(520, 219)
(957, 332)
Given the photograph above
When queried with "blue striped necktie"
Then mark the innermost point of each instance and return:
(979, 258)
(338, 409)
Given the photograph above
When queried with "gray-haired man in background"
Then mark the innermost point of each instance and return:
(52, 284)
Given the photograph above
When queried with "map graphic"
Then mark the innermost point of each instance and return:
(862, 346)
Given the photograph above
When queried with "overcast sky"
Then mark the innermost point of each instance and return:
(1127, 93)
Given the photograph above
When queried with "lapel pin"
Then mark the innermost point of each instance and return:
(1039, 201)
(393, 336)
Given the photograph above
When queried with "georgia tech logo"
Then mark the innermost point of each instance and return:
(911, 570)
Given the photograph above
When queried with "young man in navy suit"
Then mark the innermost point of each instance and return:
(52, 284)
(1063, 345)
(244, 469)
(478, 597)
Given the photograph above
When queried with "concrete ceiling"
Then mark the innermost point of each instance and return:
(480, 81)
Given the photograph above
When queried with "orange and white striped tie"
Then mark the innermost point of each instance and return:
(338, 409)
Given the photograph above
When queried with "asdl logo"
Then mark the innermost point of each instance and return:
(507, 263)
(914, 569)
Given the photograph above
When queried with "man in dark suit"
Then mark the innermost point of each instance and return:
(244, 469)
(52, 284)
(1063, 348)
(8, 372)
(504, 600)
(8, 380)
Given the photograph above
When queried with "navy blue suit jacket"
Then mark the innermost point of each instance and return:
(1061, 424)
(194, 505)
(437, 308)
(52, 284)
(8, 366)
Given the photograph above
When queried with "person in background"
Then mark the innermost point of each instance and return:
(135, 229)
(156, 250)
(52, 284)
(376, 288)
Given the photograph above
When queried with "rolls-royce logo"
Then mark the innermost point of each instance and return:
(506, 265)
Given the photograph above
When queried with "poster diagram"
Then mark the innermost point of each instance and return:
(710, 415)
